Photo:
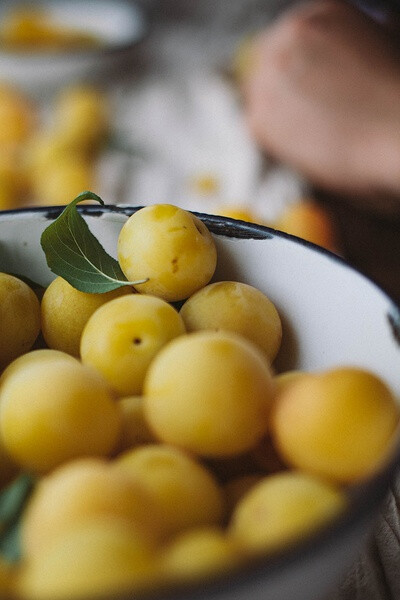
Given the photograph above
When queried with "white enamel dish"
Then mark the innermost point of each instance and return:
(119, 24)
(332, 316)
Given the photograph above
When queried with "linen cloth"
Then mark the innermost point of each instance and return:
(376, 572)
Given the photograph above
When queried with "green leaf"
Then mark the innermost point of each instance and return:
(75, 254)
(13, 500)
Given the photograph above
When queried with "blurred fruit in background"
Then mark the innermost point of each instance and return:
(242, 213)
(49, 161)
(13, 182)
(61, 161)
(49, 157)
(82, 117)
(205, 184)
(62, 179)
(243, 58)
(30, 28)
(17, 117)
(304, 218)
(312, 222)
(44, 147)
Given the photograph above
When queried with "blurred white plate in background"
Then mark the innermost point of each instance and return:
(119, 25)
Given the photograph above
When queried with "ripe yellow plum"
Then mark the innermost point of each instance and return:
(185, 492)
(169, 246)
(200, 553)
(54, 410)
(66, 310)
(76, 492)
(97, 558)
(122, 337)
(209, 392)
(337, 424)
(135, 430)
(19, 318)
(282, 509)
(237, 307)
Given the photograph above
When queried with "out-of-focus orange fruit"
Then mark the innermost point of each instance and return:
(308, 220)
(205, 184)
(17, 116)
(244, 58)
(237, 212)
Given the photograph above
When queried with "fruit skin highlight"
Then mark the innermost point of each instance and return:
(337, 424)
(237, 307)
(169, 246)
(217, 402)
(123, 336)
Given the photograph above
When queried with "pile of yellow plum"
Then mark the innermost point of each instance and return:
(165, 447)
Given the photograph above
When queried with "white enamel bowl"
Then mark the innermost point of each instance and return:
(120, 24)
(332, 315)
